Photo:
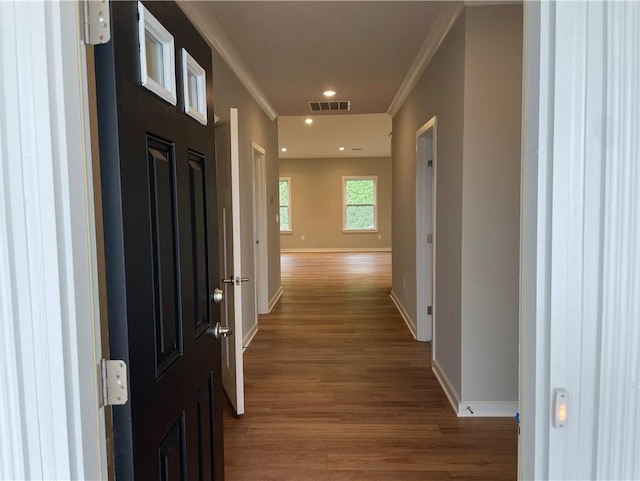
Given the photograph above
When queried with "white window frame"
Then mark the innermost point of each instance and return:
(149, 23)
(189, 65)
(346, 178)
(288, 181)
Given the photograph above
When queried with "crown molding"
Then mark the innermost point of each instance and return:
(216, 36)
(441, 26)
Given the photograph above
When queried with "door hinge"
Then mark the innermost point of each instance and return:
(429, 238)
(97, 28)
(429, 310)
(114, 382)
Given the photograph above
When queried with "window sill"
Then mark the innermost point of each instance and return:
(286, 232)
(362, 231)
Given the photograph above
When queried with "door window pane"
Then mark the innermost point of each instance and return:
(155, 64)
(195, 95)
(193, 90)
(157, 57)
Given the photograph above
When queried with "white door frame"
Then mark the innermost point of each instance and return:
(51, 423)
(579, 198)
(261, 260)
(425, 226)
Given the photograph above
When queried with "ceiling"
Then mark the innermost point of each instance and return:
(288, 52)
(361, 135)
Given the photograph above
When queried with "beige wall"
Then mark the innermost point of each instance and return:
(473, 86)
(316, 203)
(254, 125)
(440, 92)
(491, 203)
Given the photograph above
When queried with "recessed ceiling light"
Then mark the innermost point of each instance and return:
(308, 121)
(329, 93)
(283, 149)
(340, 149)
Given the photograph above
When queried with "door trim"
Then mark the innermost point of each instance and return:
(48, 264)
(261, 251)
(425, 202)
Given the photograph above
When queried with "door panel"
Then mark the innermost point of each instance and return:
(166, 281)
(172, 453)
(159, 193)
(198, 198)
(205, 431)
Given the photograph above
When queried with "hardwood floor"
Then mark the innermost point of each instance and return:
(337, 389)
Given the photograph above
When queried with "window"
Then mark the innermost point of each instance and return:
(285, 204)
(194, 82)
(157, 56)
(359, 204)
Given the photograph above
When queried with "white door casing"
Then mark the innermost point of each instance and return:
(261, 270)
(580, 235)
(51, 422)
(232, 350)
(426, 231)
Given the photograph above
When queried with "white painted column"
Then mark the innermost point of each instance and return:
(580, 283)
(618, 424)
(51, 425)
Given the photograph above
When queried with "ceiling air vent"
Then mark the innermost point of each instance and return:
(330, 105)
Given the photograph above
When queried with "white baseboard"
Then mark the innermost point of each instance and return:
(447, 387)
(484, 409)
(475, 409)
(248, 337)
(275, 298)
(337, 249)
(403, 312)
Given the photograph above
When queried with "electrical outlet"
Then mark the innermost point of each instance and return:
(379, 236)
(301, 237)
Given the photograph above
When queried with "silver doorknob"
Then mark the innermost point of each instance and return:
(219, 331)
(218, 295)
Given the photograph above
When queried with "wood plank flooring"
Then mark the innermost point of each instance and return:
(337, 389)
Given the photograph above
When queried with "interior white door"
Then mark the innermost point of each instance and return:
(232, 362)
(425, 231)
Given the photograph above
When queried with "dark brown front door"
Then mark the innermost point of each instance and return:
(159, 203)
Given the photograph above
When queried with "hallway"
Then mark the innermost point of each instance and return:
(337, 389)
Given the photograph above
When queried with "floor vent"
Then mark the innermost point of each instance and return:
(330, 105)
